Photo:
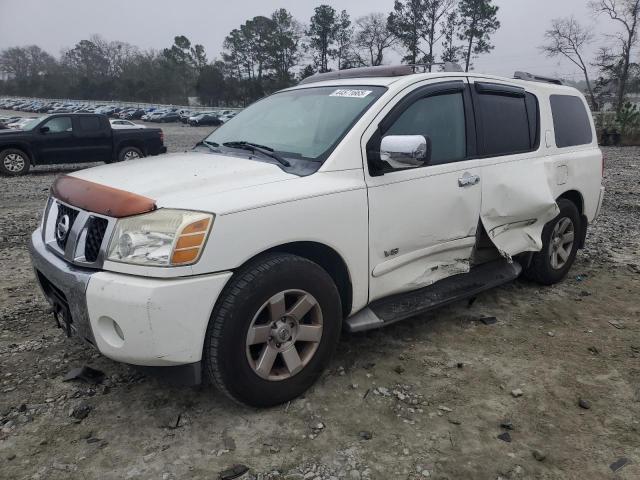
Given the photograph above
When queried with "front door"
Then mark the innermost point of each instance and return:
(56, 141)
(423, 219)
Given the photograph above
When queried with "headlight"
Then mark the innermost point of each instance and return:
(161, 238)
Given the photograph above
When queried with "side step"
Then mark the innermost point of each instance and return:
(404, 305)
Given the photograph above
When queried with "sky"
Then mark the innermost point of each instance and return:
(58, 24)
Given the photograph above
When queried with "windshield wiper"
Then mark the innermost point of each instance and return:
(211, 145)
(254, 147)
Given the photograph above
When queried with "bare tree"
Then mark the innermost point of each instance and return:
(374, 37)
(624, 12)
(435, 11)
(568, 38)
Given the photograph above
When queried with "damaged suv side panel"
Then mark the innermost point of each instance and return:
(514, 213)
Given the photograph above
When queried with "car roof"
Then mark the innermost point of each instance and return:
(402, 81)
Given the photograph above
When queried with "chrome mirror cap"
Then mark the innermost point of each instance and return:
(404, 151)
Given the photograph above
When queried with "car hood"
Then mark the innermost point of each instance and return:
(12, 131)
(186, 180)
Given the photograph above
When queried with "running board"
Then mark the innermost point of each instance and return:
(404, 305)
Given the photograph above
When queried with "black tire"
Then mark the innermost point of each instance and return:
(225, 353)
(541, 269)
(14, 162)
(126, 151)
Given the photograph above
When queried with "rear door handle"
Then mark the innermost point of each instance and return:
(468, 180)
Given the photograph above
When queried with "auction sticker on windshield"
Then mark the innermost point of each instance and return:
(351, 93)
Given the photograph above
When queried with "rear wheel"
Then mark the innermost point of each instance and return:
(14, 162)
(273, 330)
(559, 246)
(129, 153)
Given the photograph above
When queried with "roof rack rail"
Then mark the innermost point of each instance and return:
(379, 71)
(537, 78)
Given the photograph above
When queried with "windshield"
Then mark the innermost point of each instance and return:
(305, 123)
(28, 125)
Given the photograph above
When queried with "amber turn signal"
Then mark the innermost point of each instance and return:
(190, 242)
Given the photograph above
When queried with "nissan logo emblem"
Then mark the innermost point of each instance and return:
(62, 228)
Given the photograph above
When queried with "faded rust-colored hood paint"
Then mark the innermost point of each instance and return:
(98, 198)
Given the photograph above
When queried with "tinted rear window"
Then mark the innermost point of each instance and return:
(508, 123)
(89, 124)
(570, 121)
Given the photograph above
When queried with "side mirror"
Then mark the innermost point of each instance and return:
(44, 129)
(405, 151)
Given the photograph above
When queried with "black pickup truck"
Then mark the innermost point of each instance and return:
(74, 138)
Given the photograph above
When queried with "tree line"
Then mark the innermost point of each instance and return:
(267, 53)
(617, 73)
(262, 55)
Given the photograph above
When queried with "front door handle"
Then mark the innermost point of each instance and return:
(468, 180)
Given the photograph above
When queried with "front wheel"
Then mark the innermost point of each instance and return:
(14, 162)
(273, 331)
(559, 246)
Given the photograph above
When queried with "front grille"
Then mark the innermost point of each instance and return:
(85, 247)
(72, 214)
(95, 234)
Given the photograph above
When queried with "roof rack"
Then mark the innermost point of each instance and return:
(537, 78)
(379, 71)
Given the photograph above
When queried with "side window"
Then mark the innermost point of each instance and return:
(507, 122)
(441, 118)
(59, 125)
(570, 121)
(89, 124)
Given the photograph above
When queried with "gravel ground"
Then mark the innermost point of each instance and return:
(431, 397)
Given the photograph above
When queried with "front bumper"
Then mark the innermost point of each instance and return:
(132, 319)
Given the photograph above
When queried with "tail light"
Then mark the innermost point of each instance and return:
(161, 136)
(604, 159)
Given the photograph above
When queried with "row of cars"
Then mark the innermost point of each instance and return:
(147, 114)
(18, 123)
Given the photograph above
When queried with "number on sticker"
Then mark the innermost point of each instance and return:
(350, 93)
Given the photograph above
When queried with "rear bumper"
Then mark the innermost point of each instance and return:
(599, 207)
(136, 320)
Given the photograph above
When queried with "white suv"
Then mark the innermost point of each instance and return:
(354, 200)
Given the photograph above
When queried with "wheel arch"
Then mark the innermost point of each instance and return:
(577, 199)
(18, 146)
(329, 259)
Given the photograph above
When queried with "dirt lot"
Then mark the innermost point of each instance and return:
(423, 399)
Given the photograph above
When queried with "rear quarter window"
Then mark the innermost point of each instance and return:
(89, 124)
(570, 121)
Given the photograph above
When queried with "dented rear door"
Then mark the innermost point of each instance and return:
(517, 199)
(516, 204)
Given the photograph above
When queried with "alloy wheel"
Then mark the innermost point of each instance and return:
(14, 162)
(131, 155)
(562, 239)
(284, 335)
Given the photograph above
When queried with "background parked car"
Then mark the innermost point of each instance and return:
(166, 117)
(118, 123)
(205, 119)
(20, 123)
